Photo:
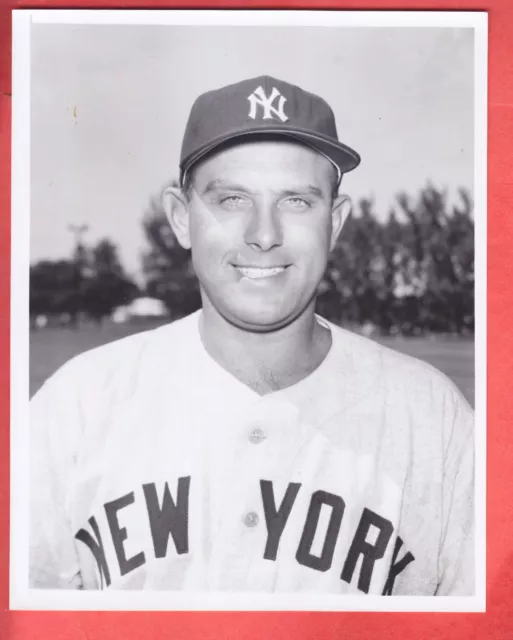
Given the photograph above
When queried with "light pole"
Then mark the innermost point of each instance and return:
(79, 259)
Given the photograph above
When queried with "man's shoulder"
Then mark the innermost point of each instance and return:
(117, 358)
(391, 368)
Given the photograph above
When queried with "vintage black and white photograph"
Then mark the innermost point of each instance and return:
(248, 310)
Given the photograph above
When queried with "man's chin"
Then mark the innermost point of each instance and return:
(256, 314)
(260, 320)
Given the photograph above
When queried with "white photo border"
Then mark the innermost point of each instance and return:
(24, 598)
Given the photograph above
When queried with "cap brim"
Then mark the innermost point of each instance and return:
(345, 158)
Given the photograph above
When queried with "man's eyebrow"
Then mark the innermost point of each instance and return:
(219, 183)
(310, 188)
(213, 185)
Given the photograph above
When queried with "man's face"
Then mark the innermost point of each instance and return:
(261, 222)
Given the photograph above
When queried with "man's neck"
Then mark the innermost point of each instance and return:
(269, 361)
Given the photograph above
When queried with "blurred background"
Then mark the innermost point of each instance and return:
(108, 110)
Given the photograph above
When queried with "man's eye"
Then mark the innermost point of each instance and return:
(233, 201)
(297, 203)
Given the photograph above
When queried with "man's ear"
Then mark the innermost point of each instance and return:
(340, 211)
(177, 214)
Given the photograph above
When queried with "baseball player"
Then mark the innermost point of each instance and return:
(253, 445)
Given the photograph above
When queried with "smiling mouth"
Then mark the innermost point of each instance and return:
(258, 273)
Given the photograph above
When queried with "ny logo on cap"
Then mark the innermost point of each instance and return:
(258, 98)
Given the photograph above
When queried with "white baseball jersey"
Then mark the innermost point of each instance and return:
(154, 468)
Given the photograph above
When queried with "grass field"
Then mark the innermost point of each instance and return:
(51, 347)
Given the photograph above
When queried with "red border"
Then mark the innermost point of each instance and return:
(497, 623)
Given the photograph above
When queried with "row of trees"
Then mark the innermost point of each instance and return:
(92, 282)
(412, 273)
(409, 273)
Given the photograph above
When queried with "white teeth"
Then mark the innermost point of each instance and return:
(255, 273)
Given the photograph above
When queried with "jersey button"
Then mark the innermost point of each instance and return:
(251, 519)
(256, 436)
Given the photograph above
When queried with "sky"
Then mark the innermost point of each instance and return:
(109, 105)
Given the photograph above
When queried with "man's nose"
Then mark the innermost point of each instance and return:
(264, 230)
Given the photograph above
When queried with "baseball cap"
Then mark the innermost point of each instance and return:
(263, 105)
